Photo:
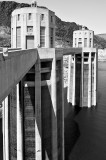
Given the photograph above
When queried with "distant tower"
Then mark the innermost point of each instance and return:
(33, 27)
(83, 70)
(83, 38)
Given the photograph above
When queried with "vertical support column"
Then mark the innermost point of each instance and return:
(62, 79)
(82, 80)
(74, 81)
(89, 81)
(5, 130)
(69, 80)
(19, 123)
(54, 106)
(95, 78)
(38, 133)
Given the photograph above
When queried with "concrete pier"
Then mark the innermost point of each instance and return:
(95, 77)
(5, 105)
(38, 119)
(54, 113)
(74, 81)
(82, 78)
(69, 79)
(19, 122)
(89, 81)
(52, 103)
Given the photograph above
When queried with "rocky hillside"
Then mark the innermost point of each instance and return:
(102, 35)
(6, 8)
(64, 30)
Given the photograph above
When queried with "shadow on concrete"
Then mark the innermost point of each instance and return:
(71, 131)
(48, 119)
(47, 115)
(1, 140)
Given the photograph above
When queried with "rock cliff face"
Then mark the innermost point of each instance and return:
(102, 54)
(64, 30)
(103, 35)
(6, 8)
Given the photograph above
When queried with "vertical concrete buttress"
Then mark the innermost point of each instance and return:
(74, 81)
(62, 81)
(38, 132)
(54, 105)
(89, 81)
(69, 79)
(5, 129)
(19, 122)
(95, 78)
(82, 79)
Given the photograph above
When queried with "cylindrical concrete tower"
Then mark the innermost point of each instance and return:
(82, 85)
(32, 27)
(83, 38)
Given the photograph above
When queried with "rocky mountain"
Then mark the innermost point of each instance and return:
(103, 35)
(64, 30)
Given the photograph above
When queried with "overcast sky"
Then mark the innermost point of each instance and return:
(91, 13)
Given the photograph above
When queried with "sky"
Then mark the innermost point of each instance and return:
(90, 13)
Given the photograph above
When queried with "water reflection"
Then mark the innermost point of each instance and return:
(1, 140)
(72, 132)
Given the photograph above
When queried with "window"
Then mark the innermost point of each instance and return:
(90, 43)
(29, 29)
(29, 16)
(80, 39)
(79, 44)
(51, 42)
(51, 37)
(86, 56)
(18, 17)
(18, 37)
(51, 18)
(42, 36)
(42, 17)
(75, 42)
(85, 42)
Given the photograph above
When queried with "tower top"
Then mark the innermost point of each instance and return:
(34, 3)
(83, 28)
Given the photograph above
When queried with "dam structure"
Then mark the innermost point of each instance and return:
(32, 92)
(82, 75)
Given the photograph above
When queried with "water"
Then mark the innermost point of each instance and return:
(85, 129)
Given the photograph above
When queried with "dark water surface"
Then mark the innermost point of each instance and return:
(85, 129)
